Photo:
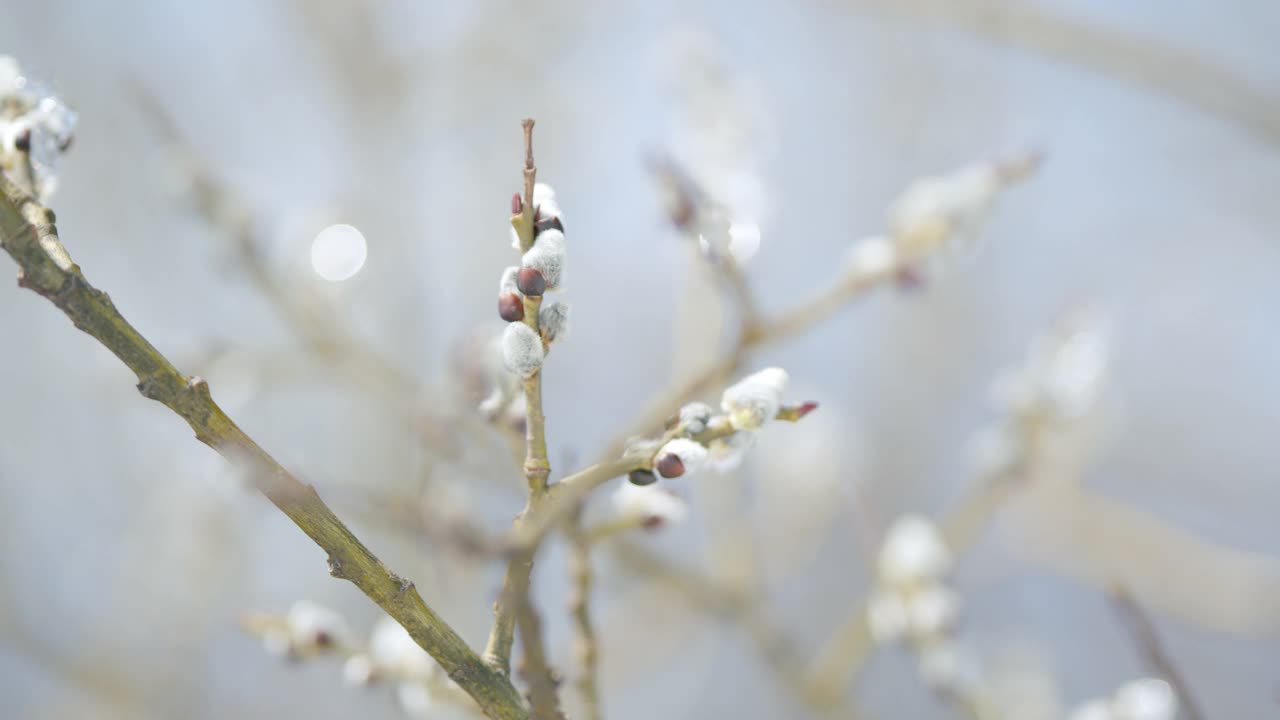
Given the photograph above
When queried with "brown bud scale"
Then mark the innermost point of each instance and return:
(551, 223)
(531, 282)
(510, 307)
(642, 477)
(669, 465)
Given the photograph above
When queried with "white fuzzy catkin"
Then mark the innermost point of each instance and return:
(695, 416)
(913, 553)
(1146, 699)
(358, 670)
(544, 199)
(871, 257)
(932, 610)
(755, 399)
(692, 455)
(415, 700)
(727, 453)
(10, 74)
(522, 350)
(508, 282)
(393, 652)
(553, 321)
(936, 211)
(547, 256)
(313, 626)
(647, 503)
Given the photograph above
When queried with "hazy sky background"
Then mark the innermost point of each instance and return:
(126, 545)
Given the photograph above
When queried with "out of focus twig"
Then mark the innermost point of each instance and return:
(587, 648)
(743, 610)
(1147, 640)
(1143, 61)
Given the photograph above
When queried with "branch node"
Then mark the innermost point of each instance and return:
(200, 386)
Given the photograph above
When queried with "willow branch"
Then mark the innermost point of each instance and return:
(1147, 640)
(28, 234)
(514, 608)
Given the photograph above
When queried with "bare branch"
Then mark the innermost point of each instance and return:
(1147, 640)
(514, 606)
(588, 650)
(28, 234)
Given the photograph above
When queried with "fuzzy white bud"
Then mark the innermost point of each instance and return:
(913, 553)
(547, 256)
(1146, 699)
(313, 627)
(649, 504)
(727, 453)
(871, 258)
(695, 416)
(755, 399)
(508, 282)
(932, 610)
(553, 321)
(10, 74)
(358, 670)
(522, 350)
(544, 198)
(415, 699)
(935, 211)
(692, 455)
(946, 666)
(276, 642)
(744, 241)
(393, 651)
(1093, 710)
(887, 618)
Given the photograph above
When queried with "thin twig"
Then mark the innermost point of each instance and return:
(586, 646)
(1143, 61)
(28, 234)
(750, 338)
(742, 609)
(1147, 640)
(543, 684)
(849, 645)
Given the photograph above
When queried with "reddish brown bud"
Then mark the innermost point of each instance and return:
(511, 307)
(805, 409)
(551, 223)
(669, 465)
(530, 282)
(517, 205)
(653, 522)
(910, 279)
(642, 477)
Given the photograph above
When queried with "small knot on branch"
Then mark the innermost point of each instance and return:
(200, 386)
